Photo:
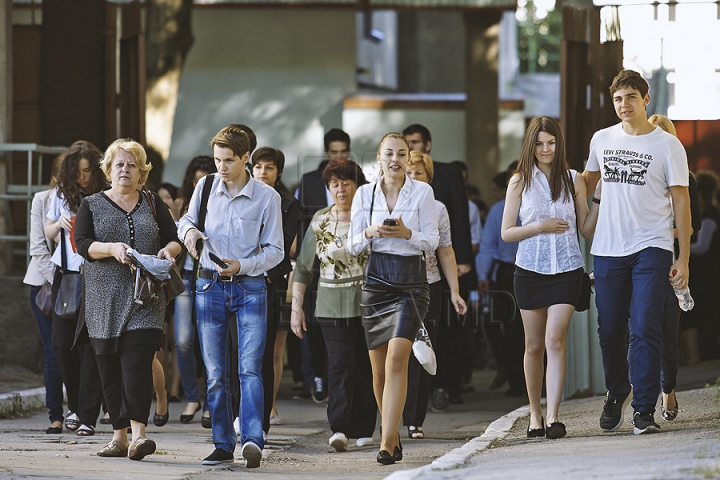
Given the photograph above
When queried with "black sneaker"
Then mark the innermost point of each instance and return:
(644, 423)
(613, 412)
(219, 456)
(319, 394)
(440, 401)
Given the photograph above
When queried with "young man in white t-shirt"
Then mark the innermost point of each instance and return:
(643, 168)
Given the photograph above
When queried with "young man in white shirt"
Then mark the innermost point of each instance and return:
(643, 168)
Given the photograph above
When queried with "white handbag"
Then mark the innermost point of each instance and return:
(422, 348)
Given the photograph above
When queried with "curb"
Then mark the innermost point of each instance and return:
(459, 456)
(20, 401)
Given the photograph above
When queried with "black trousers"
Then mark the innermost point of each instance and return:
(63, 336)
(352, 408)
(418, 391)
(451, 346)
(127, 383)
(315, 338)
(512, 343)
(91, 394)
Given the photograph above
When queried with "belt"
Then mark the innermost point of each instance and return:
(210, 275)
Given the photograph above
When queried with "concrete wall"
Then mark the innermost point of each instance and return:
(283, 72)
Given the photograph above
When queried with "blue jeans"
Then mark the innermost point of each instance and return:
(632, 288)
(53, 378)
(185, 338)
(216, 302)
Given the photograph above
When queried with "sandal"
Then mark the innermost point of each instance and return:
(415, 432)
(669, 414)
(85, 430)
(72, 422)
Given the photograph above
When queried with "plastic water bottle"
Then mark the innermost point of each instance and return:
(684, 299)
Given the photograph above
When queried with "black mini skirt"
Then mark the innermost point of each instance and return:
(394, 297)
(536, 290)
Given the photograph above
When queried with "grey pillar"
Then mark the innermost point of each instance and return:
(481, 85)
(6, 105)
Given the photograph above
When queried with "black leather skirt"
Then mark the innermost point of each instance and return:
(394, 298)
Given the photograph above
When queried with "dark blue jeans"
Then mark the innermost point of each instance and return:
(53, 378)
(632, 288)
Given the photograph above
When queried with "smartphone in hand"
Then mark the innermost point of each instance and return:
(217, 260)
(390, 222)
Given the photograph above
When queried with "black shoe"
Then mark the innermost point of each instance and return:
(173, 399)
(219, 456)
(206, 422)
(397, 452)
(106, 421)
(455, 399)
(536, 432)
(189, 418)
(644, 423)
(160, 420)
(319, 394)
(498, 381)
(385, 458)
(555, 430)
(53, 430)
(440, 401)
(613, 412)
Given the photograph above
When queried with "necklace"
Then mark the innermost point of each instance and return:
(339, 241)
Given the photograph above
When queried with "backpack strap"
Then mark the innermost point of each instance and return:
(202, 214)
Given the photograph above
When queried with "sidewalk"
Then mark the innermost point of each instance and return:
(458, 441)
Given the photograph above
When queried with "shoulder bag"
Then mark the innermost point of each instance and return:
(69, 297)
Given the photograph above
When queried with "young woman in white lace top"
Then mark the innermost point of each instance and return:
(550, 201)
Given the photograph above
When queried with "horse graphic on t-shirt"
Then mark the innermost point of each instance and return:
(621, 170)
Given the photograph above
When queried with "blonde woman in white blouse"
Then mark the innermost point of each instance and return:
(396, 219)
(550, 201)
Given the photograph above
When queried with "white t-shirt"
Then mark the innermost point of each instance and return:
(431, 261)
(637, 171)
(57, 208)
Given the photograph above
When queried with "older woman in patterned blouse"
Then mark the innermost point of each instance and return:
(351, 407)
(125, 335)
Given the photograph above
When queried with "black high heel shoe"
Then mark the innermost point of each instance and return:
(536, 432)
(398, 452)
(160, 420)
(384, 457)
(189, 418)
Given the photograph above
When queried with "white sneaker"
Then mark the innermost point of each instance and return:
(236, 424)
(275, 420)
(339, 442)
(364, 441)
(252, 454)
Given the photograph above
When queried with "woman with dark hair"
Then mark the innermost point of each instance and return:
(267, 166)
(79, 176)
(351, 407)
(168, 194)
(185, 331)
(549, 199)
(396, 219)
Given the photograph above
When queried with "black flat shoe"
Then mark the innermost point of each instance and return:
(160, 420)
(537, 432)
(384, 457)
(397, 453)
(54, 430)
(555, 430)
(189, 418)
(206, 422)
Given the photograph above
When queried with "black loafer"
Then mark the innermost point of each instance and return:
(384, 457)
(160, 420)
(555, 430)
(537, 432)
(53, 430)
(206, 422)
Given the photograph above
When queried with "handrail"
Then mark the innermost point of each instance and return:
(25, 192)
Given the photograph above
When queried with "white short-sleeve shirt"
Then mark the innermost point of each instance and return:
(637, 172)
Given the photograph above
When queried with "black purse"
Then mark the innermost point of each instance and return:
(69, 297)
(43, 299)
(583, 302)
